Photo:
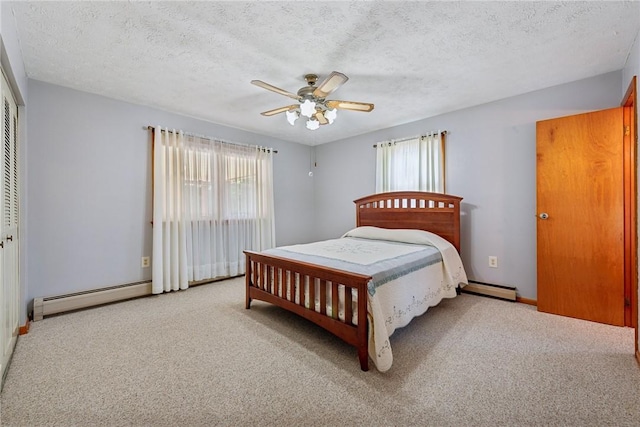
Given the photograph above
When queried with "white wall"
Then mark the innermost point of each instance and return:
(89, 192)
(491, 163)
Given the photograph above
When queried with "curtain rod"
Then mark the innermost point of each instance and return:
(442, 132)
(213, 139)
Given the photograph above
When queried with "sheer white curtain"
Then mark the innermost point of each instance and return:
(212, 200)
(413, 164)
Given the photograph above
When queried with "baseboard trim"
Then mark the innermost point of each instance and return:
(490, 290)
(527, 301)
(24, 329)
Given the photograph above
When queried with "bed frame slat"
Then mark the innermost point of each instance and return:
(348, 305)
(312, 293)
(302, 285)
(335, 307)
(323, 297)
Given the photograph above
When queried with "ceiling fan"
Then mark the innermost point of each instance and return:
(312, 102)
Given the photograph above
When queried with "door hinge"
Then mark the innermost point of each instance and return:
(627, 130)
(627, 302)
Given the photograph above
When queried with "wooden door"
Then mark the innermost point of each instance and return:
(581, 242)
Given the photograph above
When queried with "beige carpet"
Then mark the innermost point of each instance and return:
(198, 358)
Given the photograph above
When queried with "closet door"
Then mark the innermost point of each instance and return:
(9, 278)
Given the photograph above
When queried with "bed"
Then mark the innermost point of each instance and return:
(403, 256)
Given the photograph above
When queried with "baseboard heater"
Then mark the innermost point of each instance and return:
(46, 306)
(487, 289)
(62, 303)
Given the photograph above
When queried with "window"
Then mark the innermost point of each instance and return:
(414, 164)
(212, 200)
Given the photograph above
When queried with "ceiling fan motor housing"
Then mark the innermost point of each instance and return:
(307, 91)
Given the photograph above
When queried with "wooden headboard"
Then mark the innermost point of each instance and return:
(434, 212)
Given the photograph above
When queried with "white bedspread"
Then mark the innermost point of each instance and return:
(354, 251)
(412, 270)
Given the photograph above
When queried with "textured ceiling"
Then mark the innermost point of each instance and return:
(411, 59)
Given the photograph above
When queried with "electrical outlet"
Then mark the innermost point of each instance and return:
(493, 261)
(146, 262)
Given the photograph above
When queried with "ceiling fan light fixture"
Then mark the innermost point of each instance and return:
(308, 108)
(292, 116)
(330, 115)
(313, 124)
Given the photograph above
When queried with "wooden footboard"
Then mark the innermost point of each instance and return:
(273, 279)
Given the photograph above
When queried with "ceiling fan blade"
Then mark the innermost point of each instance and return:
(331, 83)
(279, 110)
(272, 88)
(350, 105)
(321, 118)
